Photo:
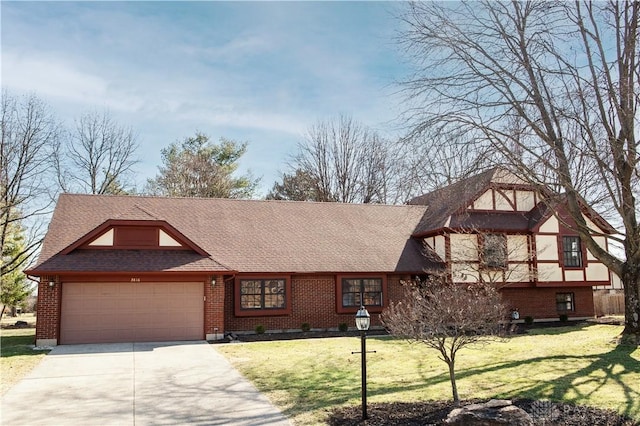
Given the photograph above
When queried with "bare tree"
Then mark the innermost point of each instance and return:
(447, 317)
(29, 133)
(550, 88)
(98, 156)
(199, 168)
(346, 162)
(425, 169)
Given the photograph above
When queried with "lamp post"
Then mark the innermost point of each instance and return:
(363, 320)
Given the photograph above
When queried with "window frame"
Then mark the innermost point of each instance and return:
(483, 250)
(565, 253)
(262, 311)
(571, 301)
(352, 309)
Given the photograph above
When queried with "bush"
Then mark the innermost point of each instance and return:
(305, 327)
(260, 329)
(564, 318)
(528, 320)
(343, 326)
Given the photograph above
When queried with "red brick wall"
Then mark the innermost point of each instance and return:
(541, 302)
(313, 302)
(48, 309)
(214, 306)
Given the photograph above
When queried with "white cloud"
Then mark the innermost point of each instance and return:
(54, 79)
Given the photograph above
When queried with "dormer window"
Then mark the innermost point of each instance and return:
(494, 251)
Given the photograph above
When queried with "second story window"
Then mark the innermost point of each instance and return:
(494, 251)
(572, 252)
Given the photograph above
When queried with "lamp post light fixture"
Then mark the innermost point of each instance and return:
(363, 321)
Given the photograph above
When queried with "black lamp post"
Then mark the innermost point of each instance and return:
(363, 320)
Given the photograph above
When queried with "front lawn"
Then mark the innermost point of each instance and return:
(580, 365)
(17, 357)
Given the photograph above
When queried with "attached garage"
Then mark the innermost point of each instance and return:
(110, 312)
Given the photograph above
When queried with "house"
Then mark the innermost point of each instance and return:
(497, 228)
(130, 268)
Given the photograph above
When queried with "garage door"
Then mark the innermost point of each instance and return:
(131, 312)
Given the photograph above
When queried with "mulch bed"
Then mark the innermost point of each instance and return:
(435, 412)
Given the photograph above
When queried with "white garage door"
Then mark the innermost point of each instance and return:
(131, 312)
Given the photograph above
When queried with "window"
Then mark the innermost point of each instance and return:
(565, 302)
(572, 252)
(369, 288)
(262, 294)
(494, 251)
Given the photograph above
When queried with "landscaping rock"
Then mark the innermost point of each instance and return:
(493, 413)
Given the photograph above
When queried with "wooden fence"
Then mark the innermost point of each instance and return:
(606, 303)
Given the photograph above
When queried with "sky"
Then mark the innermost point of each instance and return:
(255, 72)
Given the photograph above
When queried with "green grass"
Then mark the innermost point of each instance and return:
(17, 358)
(306, 379)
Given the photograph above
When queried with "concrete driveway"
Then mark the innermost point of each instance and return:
(136, 384)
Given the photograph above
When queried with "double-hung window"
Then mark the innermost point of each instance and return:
(572, 252)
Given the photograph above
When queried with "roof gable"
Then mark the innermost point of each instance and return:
(442, 204)
(107, 235)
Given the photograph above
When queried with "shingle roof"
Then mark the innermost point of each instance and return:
(131, 261)
(247, 235)
(443, 202)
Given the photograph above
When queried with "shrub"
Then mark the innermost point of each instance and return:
(260, 329)
(343, 326)
(528, 320)
(305, 326)
(564, 318)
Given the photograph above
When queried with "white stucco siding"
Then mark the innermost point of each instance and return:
(167, 241)
(504, 200)
(464, 247)
(525, 200)
(104, 240)
(550, 225)
(549, 272)
(518, 272)
(546, 247)
(570, 275)
(484, 202)
(517, 247)
(439, 247)
(601, 241)
(464, 272)
(597, 272)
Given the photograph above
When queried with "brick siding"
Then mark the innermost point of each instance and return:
(48, 309)
(313, 302)
(214, 306)
(541, 302)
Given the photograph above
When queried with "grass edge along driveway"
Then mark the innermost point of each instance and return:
(17, 357)
(580, 365)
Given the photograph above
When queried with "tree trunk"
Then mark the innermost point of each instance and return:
(631, 282)
(454, 387)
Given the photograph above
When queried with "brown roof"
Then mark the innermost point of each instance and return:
(444, 202)
(242, 235)
(447, 207)
(131, 261)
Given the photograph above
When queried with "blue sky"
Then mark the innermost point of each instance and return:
(260, 72)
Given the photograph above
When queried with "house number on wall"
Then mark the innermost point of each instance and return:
(135, 280)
